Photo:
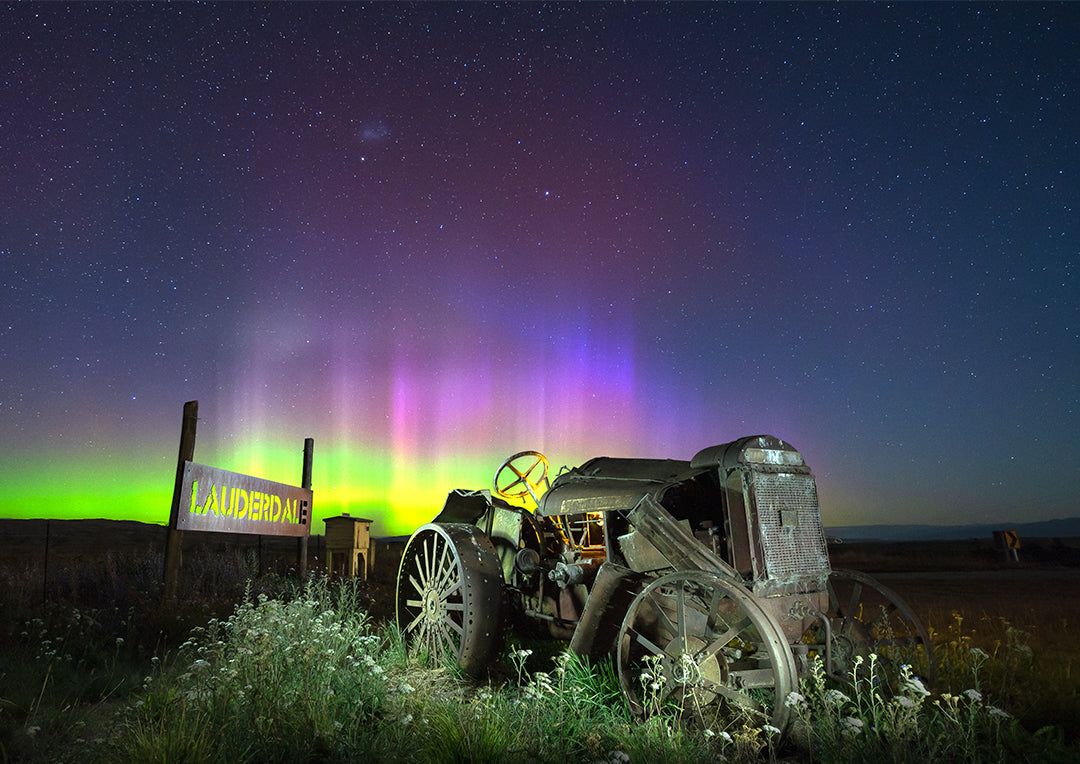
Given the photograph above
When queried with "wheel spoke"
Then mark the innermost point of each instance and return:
(454, 589)
(428, 555)
(425, 639)
(448, 641)
(856, 596)
(713, 614)
(717, 644)
(417, 621)
(649, 645)
(886, 610)
(446, 570)
(449, 580)
(738, 697)
(848, 615)
(458, 628)
(663, 615)
(680, 615)
(418, 563)
(431, 644)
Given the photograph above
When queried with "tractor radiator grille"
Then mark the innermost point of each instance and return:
(789, 520)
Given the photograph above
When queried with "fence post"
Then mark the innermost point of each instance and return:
(174, 545)
(45, 573)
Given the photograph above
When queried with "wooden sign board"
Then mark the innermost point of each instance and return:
(213, 499)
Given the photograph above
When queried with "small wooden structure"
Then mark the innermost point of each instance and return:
(348, 546)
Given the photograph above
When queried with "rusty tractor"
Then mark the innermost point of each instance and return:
(712, 575)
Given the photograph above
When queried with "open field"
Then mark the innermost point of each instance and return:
(78, 645)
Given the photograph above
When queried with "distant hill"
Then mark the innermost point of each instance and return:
(1068, 527)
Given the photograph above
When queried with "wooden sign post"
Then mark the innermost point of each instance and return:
(305, 483)
(175, 544)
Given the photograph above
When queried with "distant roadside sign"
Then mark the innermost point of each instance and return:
(213, 499)
(1007, 539)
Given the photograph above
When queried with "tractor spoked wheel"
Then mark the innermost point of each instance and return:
(872, 626)
(696, 643)
(450, 595)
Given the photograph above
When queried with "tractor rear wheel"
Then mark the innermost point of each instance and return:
(450, 595)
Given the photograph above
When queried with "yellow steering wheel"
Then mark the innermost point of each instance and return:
(521, 475)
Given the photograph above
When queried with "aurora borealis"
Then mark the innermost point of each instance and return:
(429, 236)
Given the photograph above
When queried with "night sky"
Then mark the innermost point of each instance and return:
(429, 236)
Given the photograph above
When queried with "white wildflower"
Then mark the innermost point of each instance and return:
(835, 697)
(914, 685)
(995, 711)
(852, 725)
(771, 730)
(795, 700)
(974, 695)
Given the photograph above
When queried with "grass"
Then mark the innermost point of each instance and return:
(270, 671)
(1030, 670)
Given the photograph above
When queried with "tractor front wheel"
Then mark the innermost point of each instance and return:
(697, 643)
